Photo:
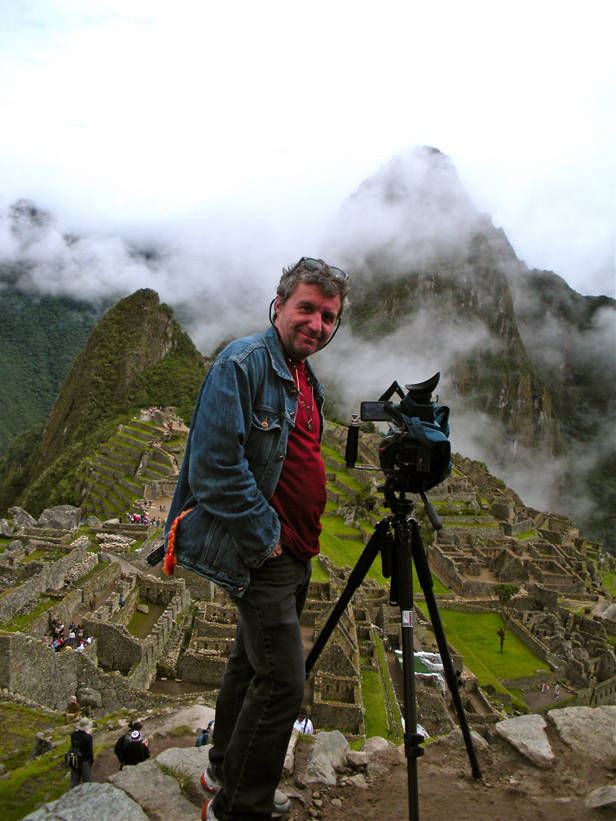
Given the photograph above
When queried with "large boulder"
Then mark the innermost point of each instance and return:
(21, 518)
(158, 793)
(63, 517)
(86, 802)
(527, 734)
(328, 755)
(589, 731)
(88, 697)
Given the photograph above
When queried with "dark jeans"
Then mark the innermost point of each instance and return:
(262, 690)
(81, 775)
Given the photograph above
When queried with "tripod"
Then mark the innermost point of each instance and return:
(398, 539)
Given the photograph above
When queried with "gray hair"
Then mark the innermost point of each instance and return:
(325, 280)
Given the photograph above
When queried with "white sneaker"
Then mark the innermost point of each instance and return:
(209, 782)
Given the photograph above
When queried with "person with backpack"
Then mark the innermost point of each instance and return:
(303, 724)
(80, 756)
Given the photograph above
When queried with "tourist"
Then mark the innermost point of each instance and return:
(254, 478)
(81, 741)
(131, 748)
(73, 709)
(303, 724)
(204, 735)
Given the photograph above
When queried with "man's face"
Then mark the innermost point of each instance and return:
(306, 320)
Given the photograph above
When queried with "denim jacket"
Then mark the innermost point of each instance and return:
(234, 455)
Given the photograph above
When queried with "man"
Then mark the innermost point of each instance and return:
(250, 494)
(72, 709)
(303, 724)
(81, 741)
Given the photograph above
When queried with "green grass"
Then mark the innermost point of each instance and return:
(141, 624)
(42, 780)
(318, 573)
(30, 782)
(19, 622)
(475, 636)
(349, 483)
(375, 719)
(39, 553)
(337, 526)
(609, 582)
(343, 552)
(37, 782)
(395, 731)
(332, 453)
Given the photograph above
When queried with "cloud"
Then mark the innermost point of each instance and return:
(413, 211)
(218, 271)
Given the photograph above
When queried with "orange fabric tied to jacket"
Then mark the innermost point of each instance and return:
(170, 559)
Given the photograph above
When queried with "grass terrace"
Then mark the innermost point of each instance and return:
(30, 783)
(475, 636)
(343, 552)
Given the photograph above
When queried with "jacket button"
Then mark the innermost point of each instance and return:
(281, 457)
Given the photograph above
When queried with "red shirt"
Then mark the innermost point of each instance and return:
(300, 496)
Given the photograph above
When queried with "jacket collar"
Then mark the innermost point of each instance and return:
(279, 359)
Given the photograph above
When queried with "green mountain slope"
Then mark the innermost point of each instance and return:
(137, 356)
(40, 336)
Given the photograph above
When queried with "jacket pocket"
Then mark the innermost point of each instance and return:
(264, 437)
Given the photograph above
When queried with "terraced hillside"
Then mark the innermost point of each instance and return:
(116, 476)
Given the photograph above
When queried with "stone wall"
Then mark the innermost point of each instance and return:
(337, 704)
(60, 675)
(133, 657)
(117, 648)
(605, 692)
(51, 577)
(203, 667)
(486, 606)
(62, 609)
(444, 568)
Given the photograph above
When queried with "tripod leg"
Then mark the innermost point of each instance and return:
(402, 595)
(375, 544)
(425, 580)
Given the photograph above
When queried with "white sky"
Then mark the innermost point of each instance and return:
(130, 113)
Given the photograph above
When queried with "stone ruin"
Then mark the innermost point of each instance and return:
(472, 554)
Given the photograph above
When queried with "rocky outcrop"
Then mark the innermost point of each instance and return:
(101, 801)
(527, 734)
(333, 781)
(66, 517)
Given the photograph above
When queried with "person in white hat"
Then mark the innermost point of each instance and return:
(81, 745)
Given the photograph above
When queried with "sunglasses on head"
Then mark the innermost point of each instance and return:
(311, 264)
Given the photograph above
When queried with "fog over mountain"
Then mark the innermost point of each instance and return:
(412, 218)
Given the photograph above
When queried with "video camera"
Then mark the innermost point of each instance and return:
(415, 454)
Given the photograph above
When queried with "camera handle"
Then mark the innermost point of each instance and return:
(398, 551)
